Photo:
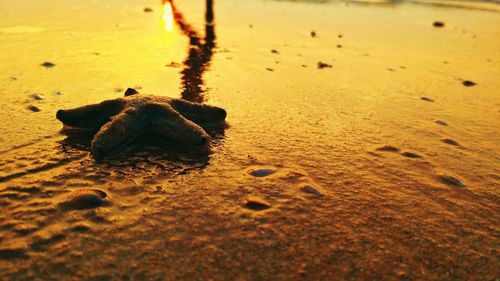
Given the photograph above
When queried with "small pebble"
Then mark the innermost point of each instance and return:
(37, 96)
(84, 199)
(59, 93)
(274, 51)
(48, 64)
(339, 46)
(313, 34)
(450, 141)
(468, 83)
(262, 172)
(388, 148)
(438, 24)
(256, 204)
(322, 65)
(411, 155)
(311, 190)
(34, 108)
(148, 10)
(269, 69)
(427, 99)
(451, 180)
(340, 35)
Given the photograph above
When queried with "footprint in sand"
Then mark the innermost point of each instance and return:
(451, 180)
(84, 199)
(442, 123)
(262, 172)
(450, 142)
(411, 155)
(37, 96)
(256, 204)
(388, 148)
(34, 108)
(309, 189)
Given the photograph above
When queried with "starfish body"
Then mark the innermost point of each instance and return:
(120, 121)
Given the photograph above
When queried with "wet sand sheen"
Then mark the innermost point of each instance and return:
(374, 160)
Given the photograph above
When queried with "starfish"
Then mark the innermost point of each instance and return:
(120, 121)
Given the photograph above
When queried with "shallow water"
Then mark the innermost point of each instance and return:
(384, 166)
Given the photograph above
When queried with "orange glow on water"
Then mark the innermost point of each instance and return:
(168, 15)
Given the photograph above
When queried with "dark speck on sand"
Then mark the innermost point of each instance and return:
(322, 65)
(48, 64)
(274, 51)
(148, 10)
(438, 24)
(427, 99)
(468, 83)
(173, 64)
(313, 34)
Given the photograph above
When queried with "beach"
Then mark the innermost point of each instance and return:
(362, 141)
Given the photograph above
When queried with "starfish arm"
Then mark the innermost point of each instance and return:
(90, 116)
(169, 123)
(201, 114)
(121, 130)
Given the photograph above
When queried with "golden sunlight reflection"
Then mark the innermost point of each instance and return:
(168, 15)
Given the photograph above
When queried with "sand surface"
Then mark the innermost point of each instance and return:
(379, 165)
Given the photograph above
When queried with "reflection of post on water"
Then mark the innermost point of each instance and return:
(200, 50)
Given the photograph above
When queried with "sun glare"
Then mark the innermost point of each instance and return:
(168, 15)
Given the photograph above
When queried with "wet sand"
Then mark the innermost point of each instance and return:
(363, 141)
